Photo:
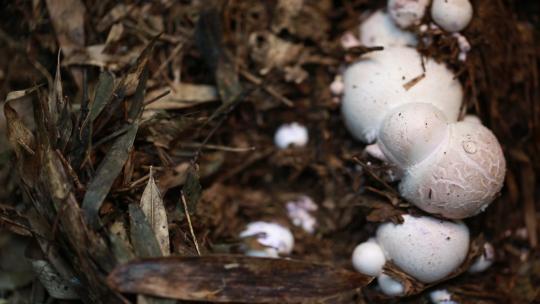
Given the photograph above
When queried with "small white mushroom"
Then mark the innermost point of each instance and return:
(452, 15)
(426, 248)
(368, 258)
(383, 80)
(390, 286)
(277, 239)
(300, 213)
(441, 296)
(407, 12)
(484, 261)
(379, 30)
(293, 134)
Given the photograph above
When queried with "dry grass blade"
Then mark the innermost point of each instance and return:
(153, 208)
(182, 95)
(231, 279)
(20, 137)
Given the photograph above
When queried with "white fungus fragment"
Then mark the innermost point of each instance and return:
(293, 134)
(277, 239)
(368, 258)
(441, 296)
(299, 212)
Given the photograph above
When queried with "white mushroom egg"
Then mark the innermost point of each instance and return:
(390, 286)
(379, 30)
(383, 80)
(368, 258)
(277, 239)
(427, 248)
(411, 132)
(452, 15)
(407, 12)
(461, 177)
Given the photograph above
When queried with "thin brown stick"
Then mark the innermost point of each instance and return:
(186, 212)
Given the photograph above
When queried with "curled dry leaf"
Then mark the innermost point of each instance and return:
(231, 279)
(154, 210)
(55, 285)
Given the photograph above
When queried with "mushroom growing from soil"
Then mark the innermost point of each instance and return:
(452, 169)
(452, 15)
(407, 12)
(383, 80)
(484, 261)
(426, 248)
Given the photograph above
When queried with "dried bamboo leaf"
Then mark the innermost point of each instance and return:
(120, 246)
(14, 95)
(57, 287)
(107, 172)
(103, 94)
(208, 36)
(67, 17)
(154, 209)
(20, 137)
(142, 236)
(182, 95)
(232, 278)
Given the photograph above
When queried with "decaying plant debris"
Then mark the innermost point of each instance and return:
(134, 131)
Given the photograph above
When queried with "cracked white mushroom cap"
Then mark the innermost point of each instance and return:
(383, 80)
(379, 30)
(426, 248)
(276, 238)
(407, 12)
(368, 258)
(452, 15)
(461, 177)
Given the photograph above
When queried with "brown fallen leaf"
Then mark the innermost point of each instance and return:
(229, 278)
(154, 210)
(182, 95)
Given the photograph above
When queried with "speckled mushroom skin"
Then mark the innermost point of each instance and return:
(426, 248)
(462, 177)
(383, 80)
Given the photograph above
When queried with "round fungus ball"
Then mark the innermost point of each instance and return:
(411, 132)
(407, 12)
(383, 80)
(275, 238)
(452, 15)
(368, 258)
(293, 134)
(461, 177)
(426, 248)
(379, 30)
(441, 296)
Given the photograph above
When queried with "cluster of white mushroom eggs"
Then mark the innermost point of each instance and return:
(407, 107)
